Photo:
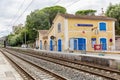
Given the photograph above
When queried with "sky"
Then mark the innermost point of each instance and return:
(12, 12)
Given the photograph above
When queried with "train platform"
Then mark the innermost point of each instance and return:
(101, 54)
(104, 55)
(7, 72)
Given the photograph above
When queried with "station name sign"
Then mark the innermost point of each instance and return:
(85, 25)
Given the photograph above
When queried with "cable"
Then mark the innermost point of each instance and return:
(56, 2)
(17, 11)
(23, 11)
(72, 3)
(28, 7)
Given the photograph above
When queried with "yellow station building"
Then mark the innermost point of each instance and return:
(73, 32)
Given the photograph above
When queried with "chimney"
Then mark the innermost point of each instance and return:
(102, 14)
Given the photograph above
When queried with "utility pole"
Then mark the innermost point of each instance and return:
(25, 38)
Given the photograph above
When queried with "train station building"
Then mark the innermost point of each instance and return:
(74, 32)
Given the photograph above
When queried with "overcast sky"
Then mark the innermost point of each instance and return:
(9, 8)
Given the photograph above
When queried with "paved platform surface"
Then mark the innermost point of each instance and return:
(107, 54)
(7, 72)
(110, 56)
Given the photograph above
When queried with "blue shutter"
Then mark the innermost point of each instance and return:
(102, 26)
(75, 44)
(72, 44)
(40, 44)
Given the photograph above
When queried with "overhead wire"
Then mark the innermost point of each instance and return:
(17, 11)
(23, 12)
(28, 7)
(56, 2)
(72, 3)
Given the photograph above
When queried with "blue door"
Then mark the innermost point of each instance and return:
(75, 44)
(59, 45)
(81, 44)
(40, 44)
(103, 43)
(51, 45)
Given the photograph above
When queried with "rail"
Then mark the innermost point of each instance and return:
(96, 70)
(33, 76)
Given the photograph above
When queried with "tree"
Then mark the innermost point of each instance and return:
(41, 20)
(52, 11)
(18, 38)
(86, 12)
(114, 12)
(18, 28)
(38, 19)
(12, 39)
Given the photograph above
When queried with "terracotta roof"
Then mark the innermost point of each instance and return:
(87, 17)
(43, 31)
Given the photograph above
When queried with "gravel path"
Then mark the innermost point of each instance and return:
(69, 73)
(36, 73)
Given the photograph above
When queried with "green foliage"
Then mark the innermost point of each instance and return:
(41, 20)
(114, 12)
(51, 12)
(17, 38)
(86, 12)
(38, 20)
(12, 40)
(18, 28)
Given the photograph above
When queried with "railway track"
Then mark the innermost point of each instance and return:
(23, 74)
(31, 71)
(107, 73)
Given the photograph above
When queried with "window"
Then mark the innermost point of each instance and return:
(102, 26)
(93, 42)
(59, 27)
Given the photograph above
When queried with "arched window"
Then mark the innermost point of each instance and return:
(102, 26)
(59, 27)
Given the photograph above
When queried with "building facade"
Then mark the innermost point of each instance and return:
(71, 32)
(42, 40)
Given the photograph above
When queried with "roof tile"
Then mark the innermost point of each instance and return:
(87, 17)
(43, 31)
